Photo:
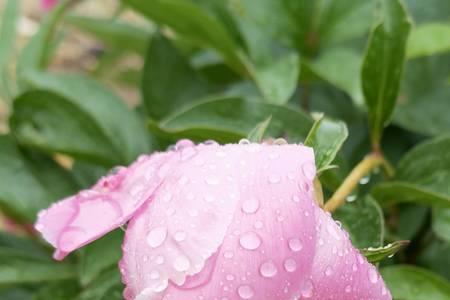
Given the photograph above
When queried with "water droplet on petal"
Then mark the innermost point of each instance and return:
(373, 276)
(290, 265)
(154, 274)
(328, 271)
(245, 292)
(188, 153)
(309, 170)
(295, 244)
(159, 260)
(250, 241)
(212, 180)
(228, 254)
(156, 236)
(244, 142)
(307, 289)
(180, 236)
(268, 269)
(160, 286)
(274, 179)
(250, 206)
(296, 198)
(181, 264)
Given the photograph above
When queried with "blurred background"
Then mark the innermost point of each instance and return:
(88, 85)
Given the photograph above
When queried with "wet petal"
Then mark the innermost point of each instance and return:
(248, 219)
(82, 218)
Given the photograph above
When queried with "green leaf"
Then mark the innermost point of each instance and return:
(99, 256)
(230, 119)
(383, 65)
(277, 78)
(105, 284)
(326, 138)
(7, 38)
(19, 265)
(36, 53)
(73, 114)
(375, 255)
(16, 293)
(169, 81)
(63, 290)
(435, 257)
(423, 104)
(44, 180)
(441, 222)
(363, 219)
(192, 22)
(114, 33)
(422, 176)
(256, 135)
(339, 67)
(413, 283)
(429, 39)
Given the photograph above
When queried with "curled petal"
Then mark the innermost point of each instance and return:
(82, 218)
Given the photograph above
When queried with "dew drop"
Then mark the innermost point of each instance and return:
(181, 264)
(309, 170)
(156, 236)
(364, 180)
(373, 276)
(350, 198)
(228, 254)
(245, 292)
(250, 206)
(268, 269)
(307, 290)
(229, 277)
(290, 265)
(328, 271)
(188, 153)
(244, 142)
(274, 179)
(258, 224)
(154, 274)
(210, 143)
(295, 244)
(160, 286)
(159, 260)
(212, 180)
(348, 289)
(180, 236)
(250, 241)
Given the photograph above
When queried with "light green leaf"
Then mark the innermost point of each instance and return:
(441, 222)
(256, 135)
(169, 81)
(383, 65)
(114, 33)
(422, 176)
(363, 219)
(326, 138)
(230, 119)
(7, 41)
(99, 256)
(75, 115)
(44, 180)
(429, 39)
(192, 22)
(413, 283)
(375, 255)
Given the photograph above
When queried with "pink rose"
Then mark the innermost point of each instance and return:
(48, 4)
(218, 222)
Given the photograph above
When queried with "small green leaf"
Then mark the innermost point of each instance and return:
(377, 254)
(413, 283)
(44, 180)
(114, 33)
(99, 256)
(383, 65)
(256, 135)
(194, 23)
(441, 222)
(75, 115)
(326, 138)
(230, 119)
(63, 290)
(106, 284)
(7, 38)
(169, 81)
(364, 221)
(429, 39)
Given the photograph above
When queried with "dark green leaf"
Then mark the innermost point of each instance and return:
(230, 119)
(412, 283)
(44, 180)
(75, 115)
(99, 256)
(364, 221)
(374, 255)
(116, 34)
(326, 138)
(194, 23)
(383, 65)
(256, 135)
(106, 284)
(441, 222)
(64, 290)
(169, 81)
(429, 39)
(7, 36)
(435, 257)
(16, 293)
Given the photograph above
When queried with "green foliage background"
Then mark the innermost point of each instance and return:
(350, 78)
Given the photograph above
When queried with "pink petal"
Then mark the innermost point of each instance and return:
(83, 218)
(48, 4)
(239, 222)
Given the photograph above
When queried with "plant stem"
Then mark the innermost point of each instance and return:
(369, 163)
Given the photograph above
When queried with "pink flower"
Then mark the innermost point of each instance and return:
(48, 4)
(218, 222)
